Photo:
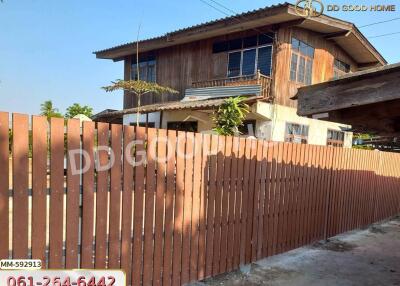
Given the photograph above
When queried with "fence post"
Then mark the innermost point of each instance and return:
(328, 202)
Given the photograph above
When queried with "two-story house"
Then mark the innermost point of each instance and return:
(264, 55)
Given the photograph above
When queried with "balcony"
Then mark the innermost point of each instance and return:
(253, 85)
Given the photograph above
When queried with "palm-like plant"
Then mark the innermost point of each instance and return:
(139, 88)
(230, 115)
(47, 109)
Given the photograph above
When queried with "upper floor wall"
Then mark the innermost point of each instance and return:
(182, 65)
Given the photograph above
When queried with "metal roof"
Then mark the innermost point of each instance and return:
(240, 15)
(343, 33)
(173, 105)
(221, 91)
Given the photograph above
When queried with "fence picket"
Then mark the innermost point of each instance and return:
(139, 196)
(73, 193)
(127, 193)
(39, 186)
(87, 196)
(169, 218)
(56, 192)
(4, 184)
(148, 247)
(169, 208)
(159, 212)
(115, 198)
(178, 212)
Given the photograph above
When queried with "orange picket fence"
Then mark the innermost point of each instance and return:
(172, 207)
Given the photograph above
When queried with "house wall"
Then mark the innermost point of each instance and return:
(270, 120)
(275, 128)
(325, 53)
(179, 66)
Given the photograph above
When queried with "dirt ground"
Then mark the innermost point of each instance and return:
(361, 257)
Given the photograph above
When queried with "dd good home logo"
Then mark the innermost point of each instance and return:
(309, 8)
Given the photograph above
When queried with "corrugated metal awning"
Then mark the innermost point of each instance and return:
(204, 93)
(174, 105)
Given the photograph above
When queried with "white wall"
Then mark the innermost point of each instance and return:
(270, 122)
(274, 129)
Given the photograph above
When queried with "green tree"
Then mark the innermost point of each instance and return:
(139, 88)
(76, 109)
(230, 115)
(47, 109)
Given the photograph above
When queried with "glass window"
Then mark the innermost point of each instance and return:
(340, 68)
(147, 70)
(249, 62)
(234, 64)
(296, 133)
(293, 67)
(335, 138)
(295, 44)
(301, 69)
(308, 72)
(265, 60)
(301, 62)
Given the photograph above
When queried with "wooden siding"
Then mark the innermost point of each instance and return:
(182, 65)
(325, 53)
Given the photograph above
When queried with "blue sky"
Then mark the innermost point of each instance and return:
(46, 45)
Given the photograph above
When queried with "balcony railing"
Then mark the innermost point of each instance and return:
(256, 79)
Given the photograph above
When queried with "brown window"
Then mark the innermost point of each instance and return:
(296, 133)
(340, 68)
(301, 62)
(335, 138)
(189, 126)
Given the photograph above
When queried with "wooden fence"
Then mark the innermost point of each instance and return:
(177, 218)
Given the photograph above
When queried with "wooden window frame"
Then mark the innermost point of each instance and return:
(335, 142)
(307, 61)
(337, 72)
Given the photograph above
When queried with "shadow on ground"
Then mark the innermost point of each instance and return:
(368, 257)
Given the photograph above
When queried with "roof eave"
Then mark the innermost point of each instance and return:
(213, 28)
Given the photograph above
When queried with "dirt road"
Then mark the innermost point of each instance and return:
(368, 257)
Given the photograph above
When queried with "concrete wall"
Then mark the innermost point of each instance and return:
(270, 119)
(274, 129)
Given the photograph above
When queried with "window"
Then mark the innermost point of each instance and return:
(189, 126)
(264, 61)
(247, 42)
(296, 133)
(340, 68)
(335, 138)
(247, 55)
(248, 61)
(248, 128)
(301, 62)
(147, 69)
(234, 64)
